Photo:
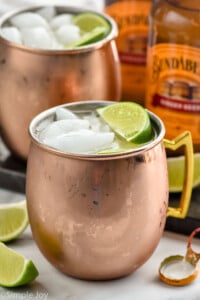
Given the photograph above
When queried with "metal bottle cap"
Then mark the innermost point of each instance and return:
(181, 270)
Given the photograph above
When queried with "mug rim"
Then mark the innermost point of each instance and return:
(68, 8)
(39, 118)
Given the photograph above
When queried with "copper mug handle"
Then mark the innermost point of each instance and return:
(184, 139)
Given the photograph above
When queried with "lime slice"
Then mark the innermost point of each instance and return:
(93, 27)
(15, 269)
(87, 22)
(129, 120)
(176, 169)
(13, 220)
(89, 37)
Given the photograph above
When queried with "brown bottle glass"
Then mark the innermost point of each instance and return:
(132, 19)
(173, 81)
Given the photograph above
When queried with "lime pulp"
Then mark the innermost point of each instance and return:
(128, 120)
(93, 28)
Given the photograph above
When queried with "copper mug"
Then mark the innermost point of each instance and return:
(101, 216)
(32, 80)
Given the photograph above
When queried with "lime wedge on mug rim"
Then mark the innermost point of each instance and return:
(93, 28)
(87, 22)
(129, 120)
(89, 37)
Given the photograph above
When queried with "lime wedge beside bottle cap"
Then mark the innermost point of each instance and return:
(129, 120)
(15, 269)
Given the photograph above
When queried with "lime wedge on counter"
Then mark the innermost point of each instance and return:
(176, 169)
(13, 220)
(15, 269)
(129, 120)
(87, 22)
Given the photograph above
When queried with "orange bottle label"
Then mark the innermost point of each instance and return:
(173, 90)
(132, 20)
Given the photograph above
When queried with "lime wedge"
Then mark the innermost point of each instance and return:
(129, 120)
(15, 269)
(87, 22)
(89, 37)
(93, 27)
(176, 169)
(13, 220)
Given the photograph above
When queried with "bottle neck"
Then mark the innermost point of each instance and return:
(186, 4)
(108, 2)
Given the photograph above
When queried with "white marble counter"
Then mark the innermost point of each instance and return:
(143, 284)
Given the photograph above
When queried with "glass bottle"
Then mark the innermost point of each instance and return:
(132, 19)
(173, 84)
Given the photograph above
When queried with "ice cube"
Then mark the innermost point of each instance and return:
(64, 113)
(83, 141)
(67, 34)
(100, 127)
(38, 37)
(92, 118)
(97, 124)
(57, 46)
(48, 13)
(105, 128)
(12, 34)
(28, 19)
(41, 126)
(63, 126)
(59, 20)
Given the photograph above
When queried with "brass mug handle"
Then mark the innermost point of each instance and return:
(184, 139)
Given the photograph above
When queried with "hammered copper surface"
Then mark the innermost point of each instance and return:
(33, 80)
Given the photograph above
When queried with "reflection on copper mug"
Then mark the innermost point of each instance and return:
(101, 216)
(32, 80)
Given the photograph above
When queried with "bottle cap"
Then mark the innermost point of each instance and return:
(180, 270)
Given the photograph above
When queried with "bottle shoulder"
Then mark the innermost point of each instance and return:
(174, 22)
